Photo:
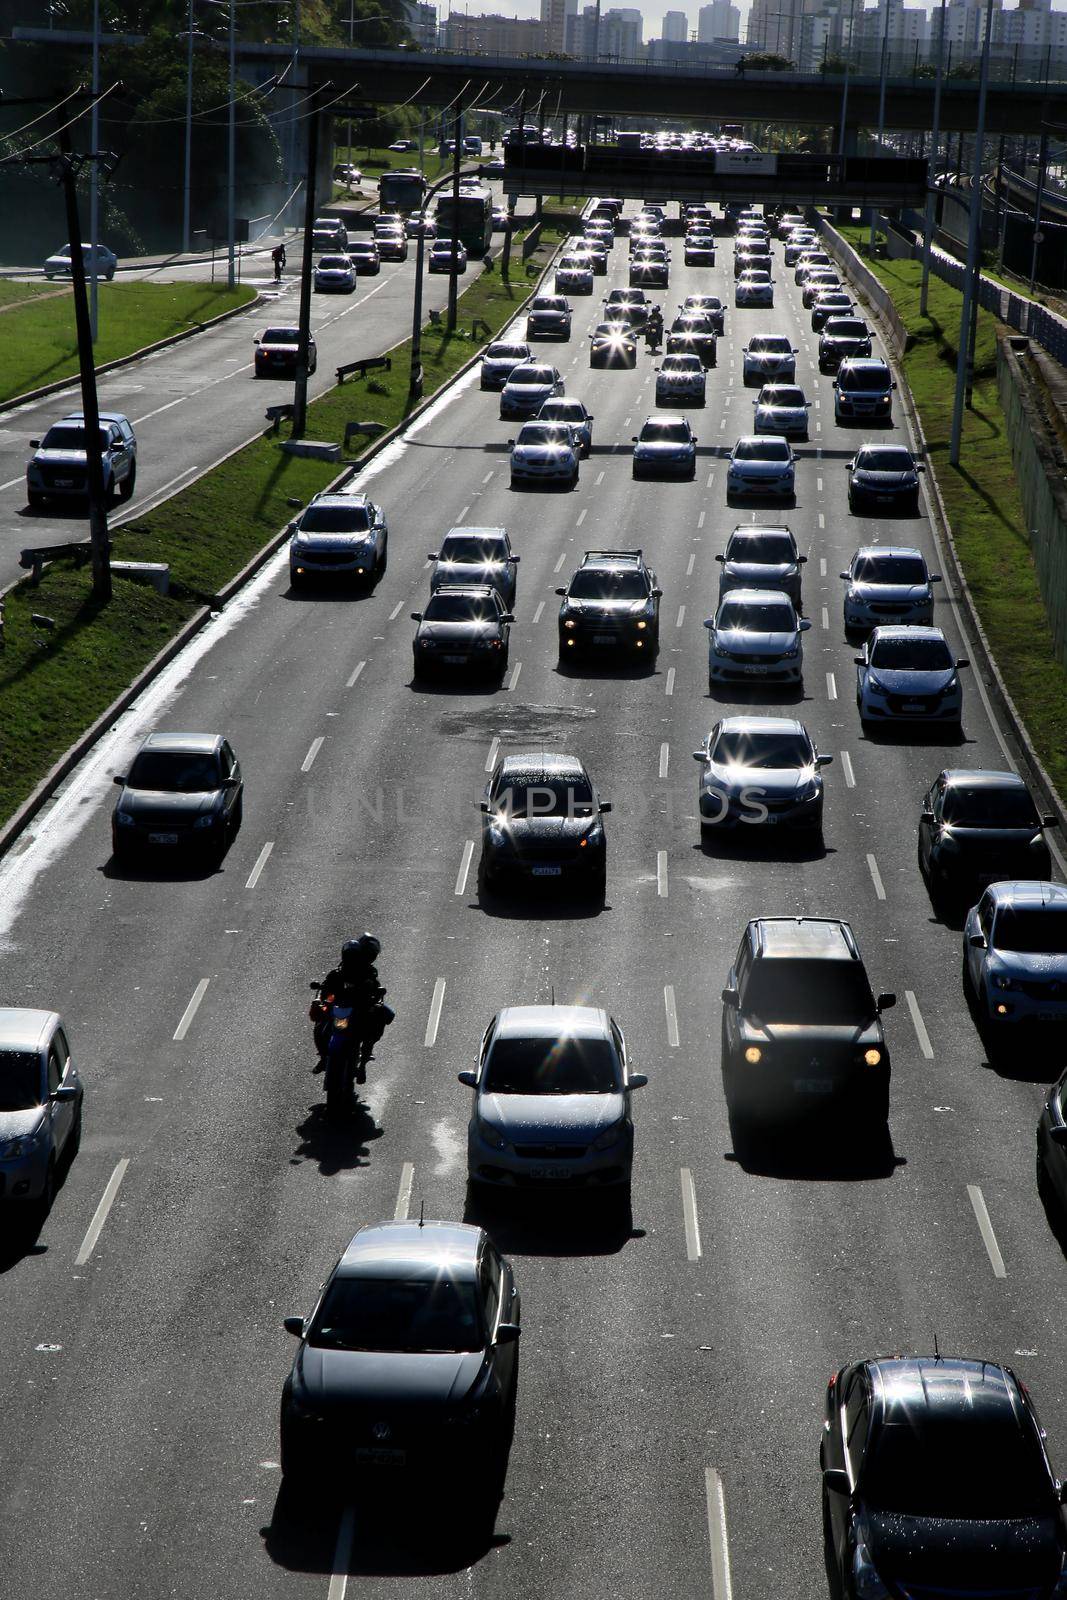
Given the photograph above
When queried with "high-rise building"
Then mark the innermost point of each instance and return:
(421, 19)
(775, 26)
(492, 35)
(618, 38)
(719, 20)
(675, 26)
(554, 20)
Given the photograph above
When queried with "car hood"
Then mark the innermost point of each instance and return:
(401, 1379)
(1008, 1558)
(605, 608)
(800, 1037)
(1027, 964)
(779, 781)
(914, 683)
(493, 573)
(664, 447)
(19, 1124)
(889, 593)
(746, 641)
(760, 575)
(770, 358)
(501, 363)
(60, 458)
(464, 633)
(884, 480)
(307, 542)
(532, 393)
(553, 1118)
(158, 802)
(785, 413)
(760, 469)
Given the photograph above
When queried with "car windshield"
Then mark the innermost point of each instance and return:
(865, 378)
(747, 748)
(691, 322)
(399, 1314)
(681, 363)
(769, 344)
(765, 549)
(808, 992)
(846, 328)
(174, 771)
(754, 616)
(982, 806)
(507, 352)
(335, 263)
(361, 249)
(609, 583)
(459, 608)
(953, 1466)
(476, 551)
(889, 569)
(69, 436)
(543, 433)
(562, 411)
(335, 519)
(552, 1066)
(20, 1080)
(781, 395)
(550, 303)
(885, 460)
(703, 302)
(1031, 930)
(761, 450)
(752, 279)
(532, 375)
(545, 795)
(911, 655)
(281, 336)
(665, 433)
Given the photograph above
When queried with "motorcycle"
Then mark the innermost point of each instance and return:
(345, 1036)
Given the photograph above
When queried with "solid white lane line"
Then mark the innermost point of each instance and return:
(825, 617)
(702, 519)
(352, 680)
(822, 566)
(100, 1215)
(670, 680)
(461, 515)
(315, 747)
(342, 1555)
(664, 758)
(689, 1213)
(11, 484)
(433, 1020)
(464, 867)
(397, 609)
(191, 1009)
(159, 410)
(985, 1228)
(661, 874)
(876, 876)
(599, 479)
(582, 516)
(721, 1587)
(691, 564)
(846, 768)
(831, 686)
(490, 760)
(403, 1193)
(919, 1025)
(562, 559)
(537, 613)
(516, 669)
(672, 1015)
(261, 862)
(681, 616)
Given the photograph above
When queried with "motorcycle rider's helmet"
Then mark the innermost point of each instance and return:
(357, 955)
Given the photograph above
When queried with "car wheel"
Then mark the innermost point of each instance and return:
(34, 499)
(852, 504)
(382, 564)
(74, 1140)
(48, 1193)
(128, 484)
(237, 816)
(110, 275)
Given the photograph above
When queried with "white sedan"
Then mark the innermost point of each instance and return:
(544, 452)
(59, 265)
(679, 378)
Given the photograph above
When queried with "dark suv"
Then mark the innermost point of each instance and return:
(935, 1481)
(978, 828)
(611, 603)
(801, 1029)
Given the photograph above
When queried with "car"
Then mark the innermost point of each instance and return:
(182, 794)
(501, 219)
(935, 1477)
(761, 558)
(391, 241)
(755, 636)
(277, 350)
(542, 818)
(665, 447)
(466, 627)
(544, 452)
(887, 583)
(650, 271)
(829, 303)
(59, 264)
(476, 556)
(710, 306)
(594, 252)
(41, 1100)
(421, 224)
(329, 233)
(781, 408)
(501, 358)
(612, 344)
(978, 827)
(818, 281)
(441, 256)
(408, 1361)
(798, 241)
(1015, 953)
(842, 337)
(334, 274)
(752, 257)
(693, 333)
(754, 288)
(338, 538)
(572, 412)
(762, 465)
(788, 222)
(345, 172)
(527, 388)
(909, 674)
(59, 467)
(802, 1035)
(574, 275)
(365, 257)
(610, 604)
(863, 392)
(549, 317)
(1052, 1151)
(808, 261)
(551, 1102)
(759, 772)
(627, 305)
(699, 249)
(768, 355)
(884, 475)
(680, 378)
(401, 146)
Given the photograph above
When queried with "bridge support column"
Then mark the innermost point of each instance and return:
(848, 146)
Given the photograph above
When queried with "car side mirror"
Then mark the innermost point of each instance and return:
(433, 555)
(823, 761)
(961, 661)
(633, 437)
(294, 527)
(835, 1480)
(120, 780)
(927, 811)
(64, 1091)
(469, 1078)
(35, 444)
(515, 558)
(605, 807)
(886, 1001)
(920, 466)
(483, 805)
(730, 998)
(804, 624)
(976, 941)
(861, 661)
(256, 339)
(511, 444)
(416, 616)
(637, 1080)
(507, 616)
(1049, 821)
(700, 755)
(657, 594)
(294, 1325)
(894, 386)
(721, 556)
(508, 1333)
(843, 575)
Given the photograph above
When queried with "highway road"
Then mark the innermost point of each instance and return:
(672, 1376)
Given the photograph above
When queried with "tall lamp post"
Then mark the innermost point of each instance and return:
(931, 197)
(965, 356)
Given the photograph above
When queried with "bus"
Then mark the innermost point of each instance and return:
(468, 218)
(402, 190)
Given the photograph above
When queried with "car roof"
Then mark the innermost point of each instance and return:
(471, 532)
(417, 1249)
(477, 591)
(1034, 893)
(548, 1022)
(337, 498)
(828, 938)
(664, 416)
(889, 550)
(905, 1387)
(864, 364)
(761, 438)
(105, 416)
(743, 724)
(546, 763)
(758, 530)
(184, 743)
(753, 597)
(908, 630)
(982, 778)
(613, 558)
(24, 1027)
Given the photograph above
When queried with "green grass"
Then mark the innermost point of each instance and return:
(13, 294)
(39, 343)
(206, 534)
(982, 499)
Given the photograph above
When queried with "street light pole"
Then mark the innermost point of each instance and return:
(188, 180)
(1042, 161)
(931, 195)
(300, 388)
(94, 181)
(848, 69)
(231, 182)
(965, 356)
(453, 265)
(881, 109)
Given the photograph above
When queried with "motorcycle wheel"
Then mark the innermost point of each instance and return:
(336, 1084)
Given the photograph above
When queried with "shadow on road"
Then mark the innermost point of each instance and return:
(831, 1157)
(339, 1146)
(561, 1223)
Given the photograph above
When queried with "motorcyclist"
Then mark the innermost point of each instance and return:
(277, 255)
(354, 981)
(654, 328)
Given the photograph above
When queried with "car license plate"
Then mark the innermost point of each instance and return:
(603, 638)
(1050, 1016)
(912, 706)
(455, 661)
(547, 872)
(884, 499)
(753, 667)
(813, 1085)
(378, 1456)
(550, 1174)
(163, 838)
(64, 483)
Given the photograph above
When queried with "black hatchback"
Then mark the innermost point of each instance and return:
(978, 828)
(183, 793)
(541, 820)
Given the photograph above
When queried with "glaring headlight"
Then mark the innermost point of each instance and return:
(753, 1054)
(872, 1057)
(642, 626)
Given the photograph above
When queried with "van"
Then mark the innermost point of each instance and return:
(472, 145)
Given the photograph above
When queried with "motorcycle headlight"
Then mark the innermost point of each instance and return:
(124, 819)
(207, 821)
(609, 1137)
(492, 1136)
(866, 1584)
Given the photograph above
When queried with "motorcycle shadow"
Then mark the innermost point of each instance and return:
(338, 1144)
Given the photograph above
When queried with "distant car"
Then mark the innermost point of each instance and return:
(693, 333)
(612, 344)
(527, 388)
(276, 352)
(884, 475)
(887, 583)
(700, 249)
(334, 273)
(817, 282)
(551, 1102)
(571, 412)
(787, 222)
(476, 556)
(761, 558)
(829, 303)
(441, 256)
(665, 448)
(650, 272)
(183, 794)
(365, 257)
(1015, 953)
(500, 360)
(680, 378)
(710, 306)
(500, 219)
(781, 408)
(465, 627)
(391, 241)
(544, 452)
(574, 275)
(842, 337)
(767, 356)
(798, 241)
(402, 146)
(978, 828)
(541, 818)
(761, 465)
(59, 265)
(627, 305)
(58, 468)
(329, 233)
(755, 635)
(759, 772)
(41, 1099)
(610, 604)
(909, 674)
(338, 538)
(754, 289)
(408, 1362)
(863, 392)
(548, 316)
(345, 172)
(809, 261)
(420, 223)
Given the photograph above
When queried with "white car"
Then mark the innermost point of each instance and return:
(680, 377)
(754, 288)
(782, 408)
(335, 273)
(909, 674)
(500, 360)
(527, 388)
(574, 275)
(666, 447)
(769, 355)
(544, 452)
(569, 410)
(755, 633)
(888, 583)
(58, 266)
(761, 465)
(1015, 953)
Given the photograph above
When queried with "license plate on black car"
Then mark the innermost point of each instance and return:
(163, 838)
(547, 872)
(377, 1456)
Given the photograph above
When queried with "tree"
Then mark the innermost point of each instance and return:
(833, 65)
(765, 61)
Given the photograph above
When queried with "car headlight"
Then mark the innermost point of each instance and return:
(426, 644)
(753, 1054)
(23, 1145)
(810, 791)
(497, 834)
(866, 1584)
(642, 626)
(124, 819)
(719, 650)
(492, 1136)
(207, 821)
(1001, 980)
(872, 1057)
(300, 1410)
(610, 1136)
(792, 653)
(10, 1148)
(874, 685)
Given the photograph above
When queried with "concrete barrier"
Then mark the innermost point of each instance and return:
(863, 279)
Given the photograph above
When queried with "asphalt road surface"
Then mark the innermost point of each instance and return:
(672, 1377)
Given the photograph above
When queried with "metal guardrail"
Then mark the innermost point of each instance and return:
(361, 368)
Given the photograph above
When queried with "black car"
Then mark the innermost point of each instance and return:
(693, 333)
(612, 344)
(977, 828)
(710, 306)
(884, 475)
(541, 818)
(409, 1360)
(465, 627)
(478, 556)
(841, 337)
(935, 1482)
(610, 604)
(277, 350)
(802, 1036)
(184, 792)
(1052, 1150)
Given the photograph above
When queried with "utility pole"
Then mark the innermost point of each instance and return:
(965, 357)
(415, 380)
(1042, 161)
(231, 181)
(931, 194)
(453, 265)
(848, 69)
(300, 388)
(94, 181)
(187, 183)
(881, 109)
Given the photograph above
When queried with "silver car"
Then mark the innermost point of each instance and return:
(500, 360)
(527, 388)
(782, 408)
(769, 355)
(755, 635)
(569, 409)
(41, 1098)
(761, 465)
(909, 675)
(551, 1104)
(759, 772)
(761, 558)
(754, 289)
(59, 266)
(887, 583)
(544, 452)
(1015, 953)
(339, 536)
(680, 378)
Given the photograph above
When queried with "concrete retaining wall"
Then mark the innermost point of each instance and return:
(869, 287)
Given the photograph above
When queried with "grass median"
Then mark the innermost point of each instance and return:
(39, 341)
(982, 498)
(53, 685)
